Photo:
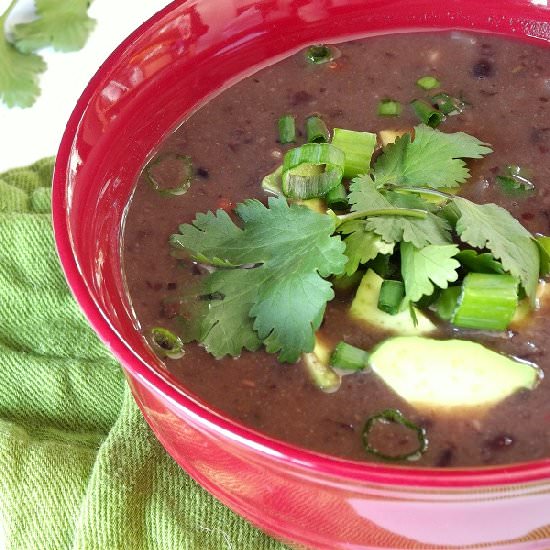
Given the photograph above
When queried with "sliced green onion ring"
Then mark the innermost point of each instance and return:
(316, 130)
(320, 53)
(391, 296)
(448, 105)
(155, 180)
(287, 129)
(394, 416)
(427, 114)
(428, 82)
(348, 358)
(389, 107)
(166, 343)
(487, 302)
(337, 198)
(312, 170)
(272, 182)
(358, 148)
(447, 302)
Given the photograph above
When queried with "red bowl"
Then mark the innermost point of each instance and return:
(170, 66)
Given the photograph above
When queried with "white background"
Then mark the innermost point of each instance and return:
(27, 135)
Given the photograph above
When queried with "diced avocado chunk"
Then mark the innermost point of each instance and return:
(319, 371)
(365, 307)
(317, 205)
(444, 374)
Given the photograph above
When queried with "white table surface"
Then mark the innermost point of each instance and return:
(27, 135)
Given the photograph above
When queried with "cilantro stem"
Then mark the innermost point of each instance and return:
(405, 212)
(422, 191)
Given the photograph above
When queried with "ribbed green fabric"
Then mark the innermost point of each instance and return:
(79, 467)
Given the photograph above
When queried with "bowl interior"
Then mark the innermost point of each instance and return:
(167, 69)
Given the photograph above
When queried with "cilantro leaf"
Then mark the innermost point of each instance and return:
(277, 294)
(420, 232)
(432, 159)
(18, 73)
(362, 245)
(422, 267)
(492, 227)
(479, 263)
(64, 25)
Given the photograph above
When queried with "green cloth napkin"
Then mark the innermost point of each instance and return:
(79, 467)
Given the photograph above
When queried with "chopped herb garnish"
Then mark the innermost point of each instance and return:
(494, 228)
(427, 114)
(287, 129)
(429, 229)
(479, 262)
(320, 53)
(389, 107)
(358, 148)
(166, 343)
(448, 105)
(423, 267)
(544, 248)
(312, 170)
(515, 179)
(158, 168)
(281, 301)
(393, 416)
(487, 302)
(432, 159)
(348, 358)
(316, 130)
(391, 296)
(428, 82)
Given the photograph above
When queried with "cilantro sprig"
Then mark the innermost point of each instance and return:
(63, 25)
(268, 273)
(276, 292)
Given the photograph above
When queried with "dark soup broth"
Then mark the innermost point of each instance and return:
(381, 240)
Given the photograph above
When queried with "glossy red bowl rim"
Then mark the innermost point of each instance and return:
(388, 475)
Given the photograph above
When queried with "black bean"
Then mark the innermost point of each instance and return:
(300, 97)
(483, 69)
(203, 173)
(171, 286)
(445, 458)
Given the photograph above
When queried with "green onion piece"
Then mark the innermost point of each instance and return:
(166, 343)
(312, 170)
(287, 129)
(162, 168)
(391, 296)
(383, 266)
(272, 183)
(316, 130)
(448, 105)
(347, 283)
(428, 82)
(389, 107)
(515, 180)
(427, 114)
(337, 198)
(487, 302)
(393, 416)
(319, 54)
(544, 248)
(447, 302)
(358, 148)
(348, 358)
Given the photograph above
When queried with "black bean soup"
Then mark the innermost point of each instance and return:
(233, 143)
